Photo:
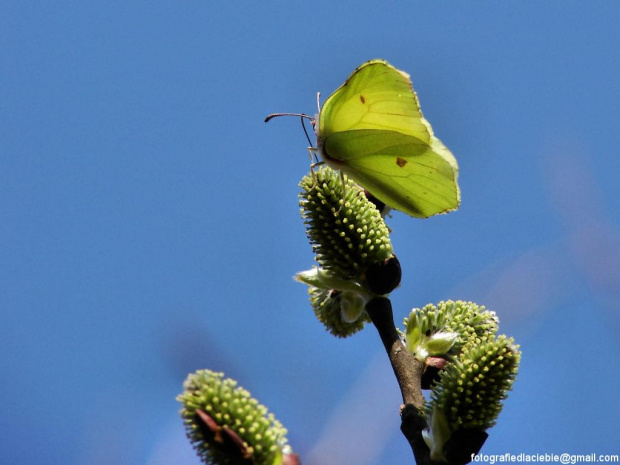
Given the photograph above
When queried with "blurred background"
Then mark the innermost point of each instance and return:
(149, 221)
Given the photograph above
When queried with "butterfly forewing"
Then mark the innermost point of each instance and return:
(376, 96)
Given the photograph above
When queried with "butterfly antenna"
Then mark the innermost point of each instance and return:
(305, 131)
(302, 115)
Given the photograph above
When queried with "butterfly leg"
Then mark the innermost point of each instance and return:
(313, 164)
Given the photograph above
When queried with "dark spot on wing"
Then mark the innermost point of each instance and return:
(362, 99)
(401, 161)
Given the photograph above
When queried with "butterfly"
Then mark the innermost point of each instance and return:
(372, 130)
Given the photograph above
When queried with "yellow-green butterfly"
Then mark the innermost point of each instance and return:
(372, 129)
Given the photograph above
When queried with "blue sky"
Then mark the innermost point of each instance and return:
(149, 223)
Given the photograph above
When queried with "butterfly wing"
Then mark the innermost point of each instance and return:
(400, 170)
(375, 96)
(372, 129)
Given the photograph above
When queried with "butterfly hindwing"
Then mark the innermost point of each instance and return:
(402, 172)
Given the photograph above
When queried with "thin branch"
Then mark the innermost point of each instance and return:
(408, 371)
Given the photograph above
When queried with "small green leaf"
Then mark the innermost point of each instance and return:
(441, 343)
(351, 306)
(322, 279)
(327, 306)
(437, 434)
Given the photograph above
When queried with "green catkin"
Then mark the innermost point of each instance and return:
(232, 407)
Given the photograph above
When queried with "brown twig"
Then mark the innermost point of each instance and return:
(408, 371)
